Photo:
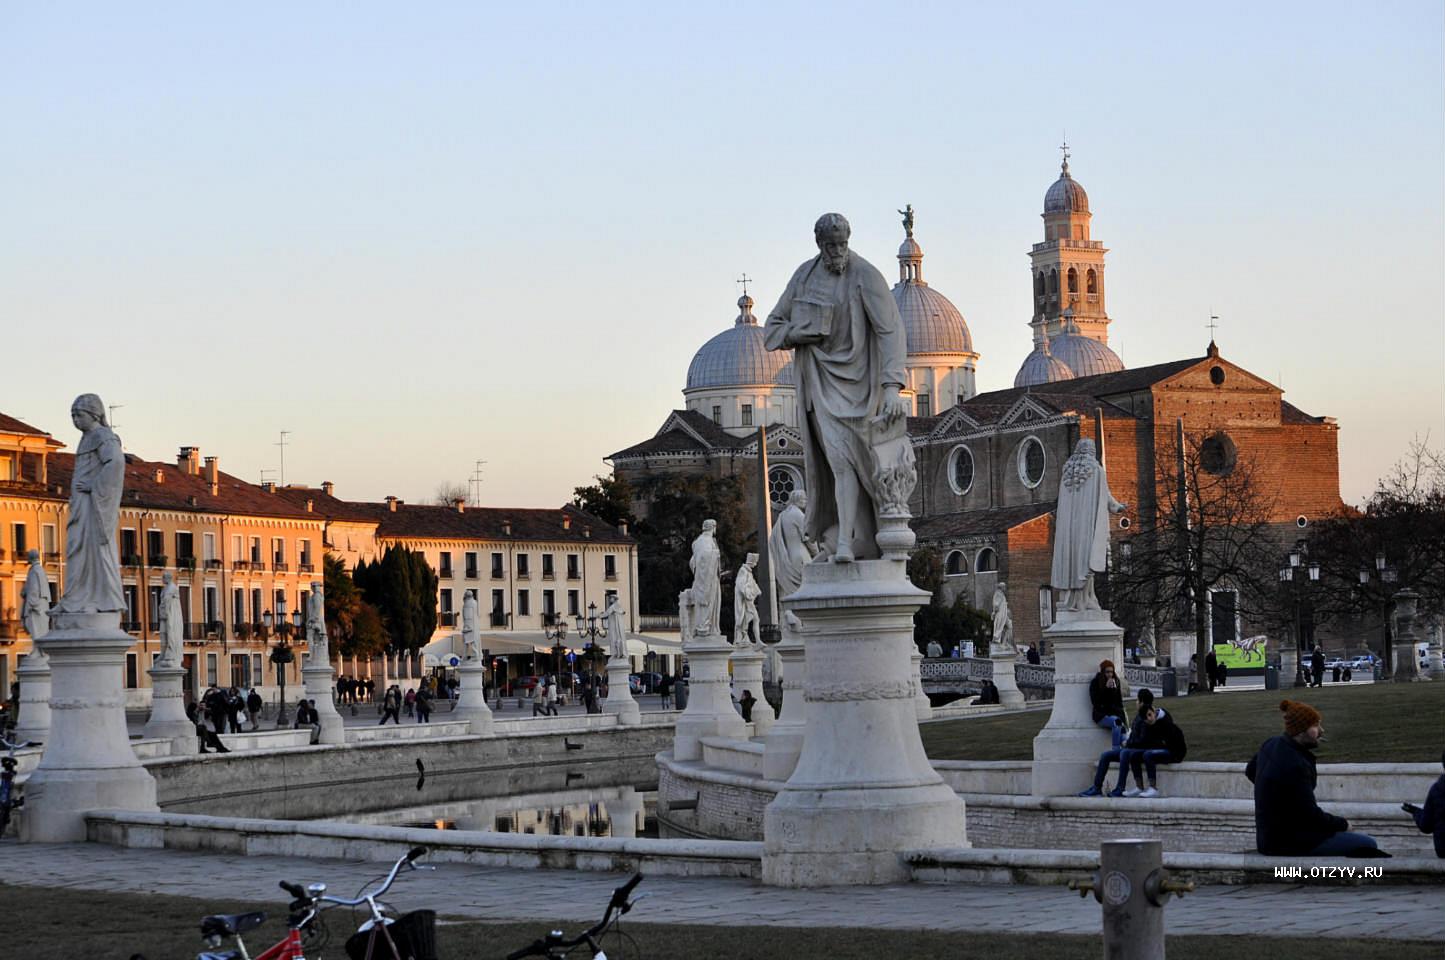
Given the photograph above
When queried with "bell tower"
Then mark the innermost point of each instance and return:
(1067, 268)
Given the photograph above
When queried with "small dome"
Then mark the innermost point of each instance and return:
(1085, 356)
(1066, 195)
(933, 324)
(909, 250)
(736, 357)
(1041, 366)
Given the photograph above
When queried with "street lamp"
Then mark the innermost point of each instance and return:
(1388, 575)
(1310, 575)
(591, 629)
(281, 654)
(555, 629)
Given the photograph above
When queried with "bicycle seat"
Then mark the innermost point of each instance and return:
(231, 924)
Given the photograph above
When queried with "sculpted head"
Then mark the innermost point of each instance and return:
(1085, 448)
(168, 578)
(798, 498)
(752, 560)
(709, 526)
(87, 411)
(831, 233)
(1002, 588)
(32, 555)
(315, 586)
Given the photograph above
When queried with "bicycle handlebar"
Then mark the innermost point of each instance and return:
(543, 948)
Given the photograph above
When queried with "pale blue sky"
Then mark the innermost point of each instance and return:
(418, 235)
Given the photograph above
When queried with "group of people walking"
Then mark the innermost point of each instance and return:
(418, 702)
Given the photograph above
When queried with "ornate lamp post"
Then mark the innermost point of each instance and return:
(556, 632)
(591, 629)
(1309, 575)
(1387, 576)
(281, 654)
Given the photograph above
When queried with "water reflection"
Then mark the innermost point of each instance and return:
(620, 811)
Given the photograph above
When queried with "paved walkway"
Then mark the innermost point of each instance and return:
(1309, 910)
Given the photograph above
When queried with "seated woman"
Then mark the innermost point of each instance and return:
(1106, 693)
(1123, 755)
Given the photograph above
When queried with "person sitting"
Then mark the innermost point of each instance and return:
(1431, 817)
(746, 705)
(987, 694)
(1162, 742)
(1121, 754)
(1106, 693)
(1287, 820)
(205, 737)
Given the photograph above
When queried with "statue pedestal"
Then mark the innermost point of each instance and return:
(34, 721)
(1067, 749)
(1004, 677)
(921, 704)
(88, 763)
(710, 711)
(472, 697)
(619, 692)
(317, 679)
(863, 790)
(1288, 665)
(168, 720)
(1181, 650)
(784, 740)
(747, 662)
(1407, 640)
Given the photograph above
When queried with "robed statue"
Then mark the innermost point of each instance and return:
(789, 546)
(745, 604)
(1081, 528)
(316, 640)
(706, 563)
(839, 318)
(92, 565)
(171, 622)
(35, 607)
(616, 626)
(1003, 624)
(471, 636)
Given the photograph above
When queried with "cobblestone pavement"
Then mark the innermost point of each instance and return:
(1311, 910)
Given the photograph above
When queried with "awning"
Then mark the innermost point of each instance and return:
(640, 645)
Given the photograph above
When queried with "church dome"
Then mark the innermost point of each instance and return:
(1085, 356)
(1041, 366)
(1066, 195)
(737, 357)
(932, 322)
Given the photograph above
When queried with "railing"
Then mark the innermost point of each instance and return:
(306, 566)
(1137, 675)
(499, 573)
(130, 626)
(259, 566)
(185, 563)
(658, 621)
(472, 573)
(240, 564)
(10, 630)
(52, 556)
(499, 619)
(524, 574)
(969, 672)
(549, 575)
(159, 560)
(610, 576)
(280, 566)
(130, 560)
(551, 620)
(447, 619)
(445, 573)
(213, 564)
(574, 575)
(194, 631)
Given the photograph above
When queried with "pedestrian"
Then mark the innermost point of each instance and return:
(423, 705)
(1431, 817)
(206, 739)
(1287, 820)
(410, 700)
(1106, 694)
(1317, 666)
(539, 698)
(746, 705)
(1347, 674)
(254, 703)
(664, 689)
(235, 703)
(215, 701)
(1033, 654)
(934, 650)
(551, 696)
(1211, 669)
(1223, 671)
(391, 707)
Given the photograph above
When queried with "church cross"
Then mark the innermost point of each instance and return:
(745, 280)
(1212, 325)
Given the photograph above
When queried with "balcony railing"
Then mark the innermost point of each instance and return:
(240, 564)
(185, 563)
(574, 575)
(159, 560)
(10, 629)
(471, 573)
(524, 575)
(551, 620)
(52, 556)
(305, 566)
(258, 566)
(498, 573)
(280, 566)
(213, 564)
(194, 631)
(445, 573)
(447, 618)
(610, 576)
(499, 619)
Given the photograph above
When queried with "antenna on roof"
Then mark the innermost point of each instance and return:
(474, 482)
(264, 471)
(110, 413)
(1212, 325)
(282, 444)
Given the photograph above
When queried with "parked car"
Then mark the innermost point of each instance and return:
(650, 681)
(1335, 663)
(1362, 662)
(525, 684)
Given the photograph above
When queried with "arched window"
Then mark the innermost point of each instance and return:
(1039, 286)
(781, 483)
(955, 566)
(960, 470)
(987, 561)
(1053, 283)
(1073, 280)
(1091, 281)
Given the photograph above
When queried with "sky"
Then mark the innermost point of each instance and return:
(417, 236)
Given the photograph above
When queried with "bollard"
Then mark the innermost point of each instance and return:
(1133, 886)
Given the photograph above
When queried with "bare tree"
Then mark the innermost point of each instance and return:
(448, 493)
(1212, 528)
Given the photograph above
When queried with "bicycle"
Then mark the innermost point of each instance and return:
(411, 936)
(7, 781)
(555, 946)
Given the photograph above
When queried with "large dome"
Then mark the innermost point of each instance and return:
(1085, 356)
(736, 357)
(933, 324)
(1066, 195)
(1042, 366)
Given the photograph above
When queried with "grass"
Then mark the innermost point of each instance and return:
(1370, 723)
(64, 924)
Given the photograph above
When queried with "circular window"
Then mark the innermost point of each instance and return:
(960, 470)
(1124, 523)
(781, 483)
(1031, 462)
(782, 443)
(1216, 375)
(1301, 521)
(1217, 454)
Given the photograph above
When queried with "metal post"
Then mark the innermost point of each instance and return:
(1133, 887)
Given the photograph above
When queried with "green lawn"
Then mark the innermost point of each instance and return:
(62, 924)
(1368, 723)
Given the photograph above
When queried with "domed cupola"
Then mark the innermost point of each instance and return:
(1066, 195)
(941, 359)
(1085, 356)
(1041, 366)
(739, 383)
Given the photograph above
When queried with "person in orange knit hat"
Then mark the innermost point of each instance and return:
(1287, 821)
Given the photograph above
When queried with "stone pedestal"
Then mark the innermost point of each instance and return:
(863, 790)
(784, 740)
(625, 812)
(317, 679)
(88, 763)
(747, 661)
(1181, 649)
(1288, 665)
(168, 720)
(709, 711)
(619, 692)
(1004, 677)
(1407, 638)
(1067, 749)
(34, 721)
(472, 697)
(1436, 668)
(922, 706)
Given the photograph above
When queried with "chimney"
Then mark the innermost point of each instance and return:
(587, 532)
(268, 485)
(460, 503)
(506, 528)
(391, 503)
(189, 460)
(566, 521)
(160, 475)
(327, 486)
(213, 474)
(309, 504)
(622, 526)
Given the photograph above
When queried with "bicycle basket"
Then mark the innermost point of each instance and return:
(414, 935)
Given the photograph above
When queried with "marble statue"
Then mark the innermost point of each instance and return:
(706, 599)
(839, 318)
(746, 591)
(1003, 623)
(471, 637)
(92, 563)
(35, 603)
(907, 212)
(616, 628)
(789, 546)
(171, 622)
(316, 639)
(1081, 527)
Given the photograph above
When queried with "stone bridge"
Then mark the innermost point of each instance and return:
(965, 676)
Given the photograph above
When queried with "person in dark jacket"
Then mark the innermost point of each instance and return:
(1317, 667)
(746, 705)
(1106, 693)
(1122, 755)
(1431, 817)
(1211, 669)
(1161, 742)
(206, 739)
(1287, 821)
(1033, 655)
